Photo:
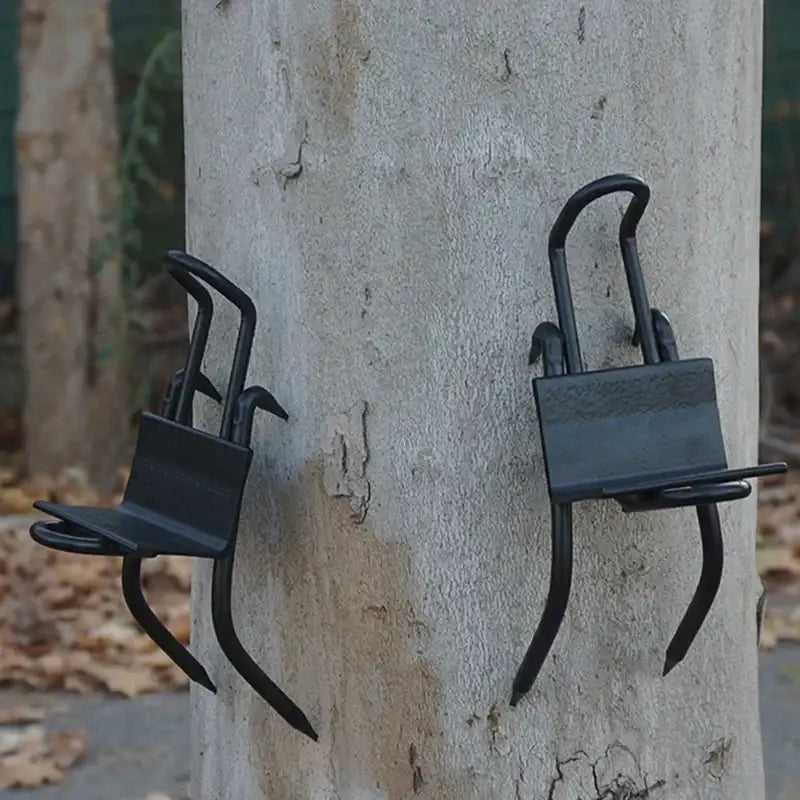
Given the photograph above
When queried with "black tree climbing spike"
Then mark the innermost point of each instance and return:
(647, 436)
(185, 489)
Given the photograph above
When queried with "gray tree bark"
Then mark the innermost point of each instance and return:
(70, 295)
(382, 178)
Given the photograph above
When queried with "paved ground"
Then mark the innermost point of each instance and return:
(780, 721)
(135, 747)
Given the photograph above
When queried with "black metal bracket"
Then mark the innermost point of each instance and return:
(185, 490)
(647, 436)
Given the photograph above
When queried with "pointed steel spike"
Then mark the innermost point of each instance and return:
(274, 407)
(669, 665)
(154, 628)
(301, 723)
(557, 598)
(204, 386)
(535, 353)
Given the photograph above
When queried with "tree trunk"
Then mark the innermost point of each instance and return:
(382, 179)
(70, 294)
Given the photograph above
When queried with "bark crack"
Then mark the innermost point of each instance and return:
(560, 774)
(621, 787)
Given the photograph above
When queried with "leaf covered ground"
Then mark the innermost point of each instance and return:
(64, 625)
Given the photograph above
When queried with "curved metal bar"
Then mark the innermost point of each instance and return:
(556, 605)
(202, 384)
(685, 496)
(222, 584)
(627, 237)
(132, 566)
(169, 405)
(665, 336)
(197, 344)
(70, 539)
(154, 628)
(710, 532)
(548, 341)
(710, 576)
(244, 339)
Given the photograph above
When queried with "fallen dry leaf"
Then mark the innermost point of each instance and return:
(778, 549)
(18, 714)
(778, 564)
(13, 739)
(780, 625)
(14, 500)
(8, 475)
(31, 758)
(67, 748)
(64, 623)
(129, 681)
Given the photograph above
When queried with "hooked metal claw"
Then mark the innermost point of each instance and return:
(222, 584)
(703, 599)
(547, 340)
(710, 529)
(666, 345)
(177, 405)
(555, 605)
(203, 385)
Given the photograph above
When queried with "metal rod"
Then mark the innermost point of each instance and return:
(710, 576)
(132, 566)
(556, 604)
(710, 535)
(197, 344)
(222, 585)
(154, 628)
(627, 232)
(548, 341)
(682, 496)
(244, 339)
(638, 293)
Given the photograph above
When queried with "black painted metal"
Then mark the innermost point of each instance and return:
(185, 490)
(647, 436)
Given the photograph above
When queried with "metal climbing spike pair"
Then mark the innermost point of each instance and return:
(647, 436)
(185, 489)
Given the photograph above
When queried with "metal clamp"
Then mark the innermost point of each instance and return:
(646, 436)
(184, 492)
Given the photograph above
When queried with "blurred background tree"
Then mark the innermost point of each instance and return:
(780, 231)
(90, 327)
(69, 282)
